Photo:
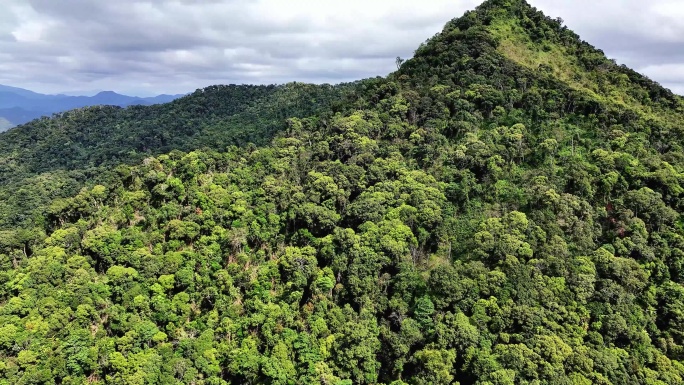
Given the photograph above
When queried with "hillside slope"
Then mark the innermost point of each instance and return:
(478, 217)
(54, 157)
(93, 136)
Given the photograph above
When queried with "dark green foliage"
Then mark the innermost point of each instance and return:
(211, 117)
(470, 219)
(53, 158)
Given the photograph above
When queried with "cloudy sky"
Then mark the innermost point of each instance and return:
(146, 47)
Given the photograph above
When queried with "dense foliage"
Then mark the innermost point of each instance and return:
(489, 214)
(108, 135)
(53, 158)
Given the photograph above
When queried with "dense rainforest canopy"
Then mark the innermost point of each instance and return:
(503, 209)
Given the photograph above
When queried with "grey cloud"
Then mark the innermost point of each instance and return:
(174, 46)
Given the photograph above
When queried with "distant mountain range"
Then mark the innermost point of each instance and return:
(19, 106)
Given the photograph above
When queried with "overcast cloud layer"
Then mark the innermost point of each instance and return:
(163, 46)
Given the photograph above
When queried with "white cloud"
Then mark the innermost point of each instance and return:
(156, 46)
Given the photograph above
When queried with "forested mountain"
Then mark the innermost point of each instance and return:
(217, 117)
(19, 106)
(53, 158)
(503, 209)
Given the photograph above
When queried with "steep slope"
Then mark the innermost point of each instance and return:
(474, 218)
(529, 39)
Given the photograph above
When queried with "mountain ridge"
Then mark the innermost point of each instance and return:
(20, 106)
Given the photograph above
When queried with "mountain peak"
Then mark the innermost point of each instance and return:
(504, 5)
(506, 42)
(107, 93)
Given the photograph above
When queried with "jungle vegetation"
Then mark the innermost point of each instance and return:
(505, 208)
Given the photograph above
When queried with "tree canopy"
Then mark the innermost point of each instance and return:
(505, 208)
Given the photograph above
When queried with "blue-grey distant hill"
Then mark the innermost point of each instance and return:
(19, 106)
